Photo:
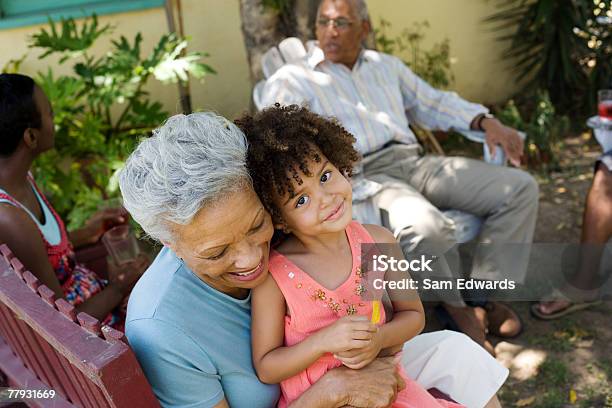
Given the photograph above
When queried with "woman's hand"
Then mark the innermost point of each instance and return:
(359, 358)
(374, 386)
(124, 277)
(346, 333)
(97, 225)
(102, 221)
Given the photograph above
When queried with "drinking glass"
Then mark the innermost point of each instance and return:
(604, 104)
(121, 244)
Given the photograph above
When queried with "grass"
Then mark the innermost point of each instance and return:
(606, 366)
(552, 385)
(553, 373)
(565, 336)
(592, 398)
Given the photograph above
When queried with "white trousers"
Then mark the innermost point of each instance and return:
(454, 364)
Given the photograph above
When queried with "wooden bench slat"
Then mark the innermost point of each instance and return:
(83, 389)
(60, 380)
(17, 266)
(31, 280)
(47, 295)
(7, 254)
(66, 350)
(113, 335)
(66, 309)
(43, 358)
(75, 391)
(27, 337)
(96, 395)
(16, 344)
(23, 376)
(91, 324)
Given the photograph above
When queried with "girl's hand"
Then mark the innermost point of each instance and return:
(359, 358)
(346, 333)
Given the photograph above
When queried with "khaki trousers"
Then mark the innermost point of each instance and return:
(416, 188)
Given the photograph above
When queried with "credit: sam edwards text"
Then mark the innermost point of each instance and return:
(442, 284)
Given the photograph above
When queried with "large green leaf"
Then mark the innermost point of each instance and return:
(101, 110)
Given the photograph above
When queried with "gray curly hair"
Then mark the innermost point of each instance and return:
(190, 161)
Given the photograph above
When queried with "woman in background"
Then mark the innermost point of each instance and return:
(28, 223)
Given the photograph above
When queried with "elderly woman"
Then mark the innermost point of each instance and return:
(189, 315)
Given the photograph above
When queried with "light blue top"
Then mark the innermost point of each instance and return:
(192, 341)
(50, 229)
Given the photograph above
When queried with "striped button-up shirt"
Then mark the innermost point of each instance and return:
(375, 101)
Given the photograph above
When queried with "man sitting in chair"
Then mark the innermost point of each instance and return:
(375, 96)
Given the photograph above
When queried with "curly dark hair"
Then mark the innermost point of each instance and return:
(283, 139)
(18, 111)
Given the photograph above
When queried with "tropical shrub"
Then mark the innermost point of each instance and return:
(563, 47)
(433, 65)
(102, 110)
(535, 114)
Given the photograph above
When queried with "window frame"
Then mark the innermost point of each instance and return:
(81, 10)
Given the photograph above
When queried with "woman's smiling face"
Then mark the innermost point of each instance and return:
(227, 243)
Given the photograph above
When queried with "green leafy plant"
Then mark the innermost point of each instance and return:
(433, 65)
(102, 110)
(558, 46)
(13, 66)
(598, 59)
(280, 6)
(537, 117)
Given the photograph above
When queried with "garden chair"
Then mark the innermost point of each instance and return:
(45, 345)
(467, 226)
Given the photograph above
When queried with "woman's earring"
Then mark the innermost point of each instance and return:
(286, 229)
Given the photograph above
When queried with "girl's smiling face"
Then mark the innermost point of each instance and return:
(321, 204)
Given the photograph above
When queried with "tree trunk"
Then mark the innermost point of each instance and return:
(264, 27)
(305, 15)
(260, 29)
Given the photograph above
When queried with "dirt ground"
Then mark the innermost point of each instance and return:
(567, 362)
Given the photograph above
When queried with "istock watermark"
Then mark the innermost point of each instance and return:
(383, 263)
(507, 272)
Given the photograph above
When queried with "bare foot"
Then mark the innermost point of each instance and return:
(553, 306)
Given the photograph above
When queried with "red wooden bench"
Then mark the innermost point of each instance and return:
(45, 345)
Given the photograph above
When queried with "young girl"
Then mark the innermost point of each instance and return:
(310, 315)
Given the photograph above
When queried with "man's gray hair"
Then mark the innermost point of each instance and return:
(359, 6)
(189, 162)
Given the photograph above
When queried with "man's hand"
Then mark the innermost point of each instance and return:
(508, 138)
(359, 358)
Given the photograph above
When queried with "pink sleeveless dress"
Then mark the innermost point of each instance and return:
(313, 307)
